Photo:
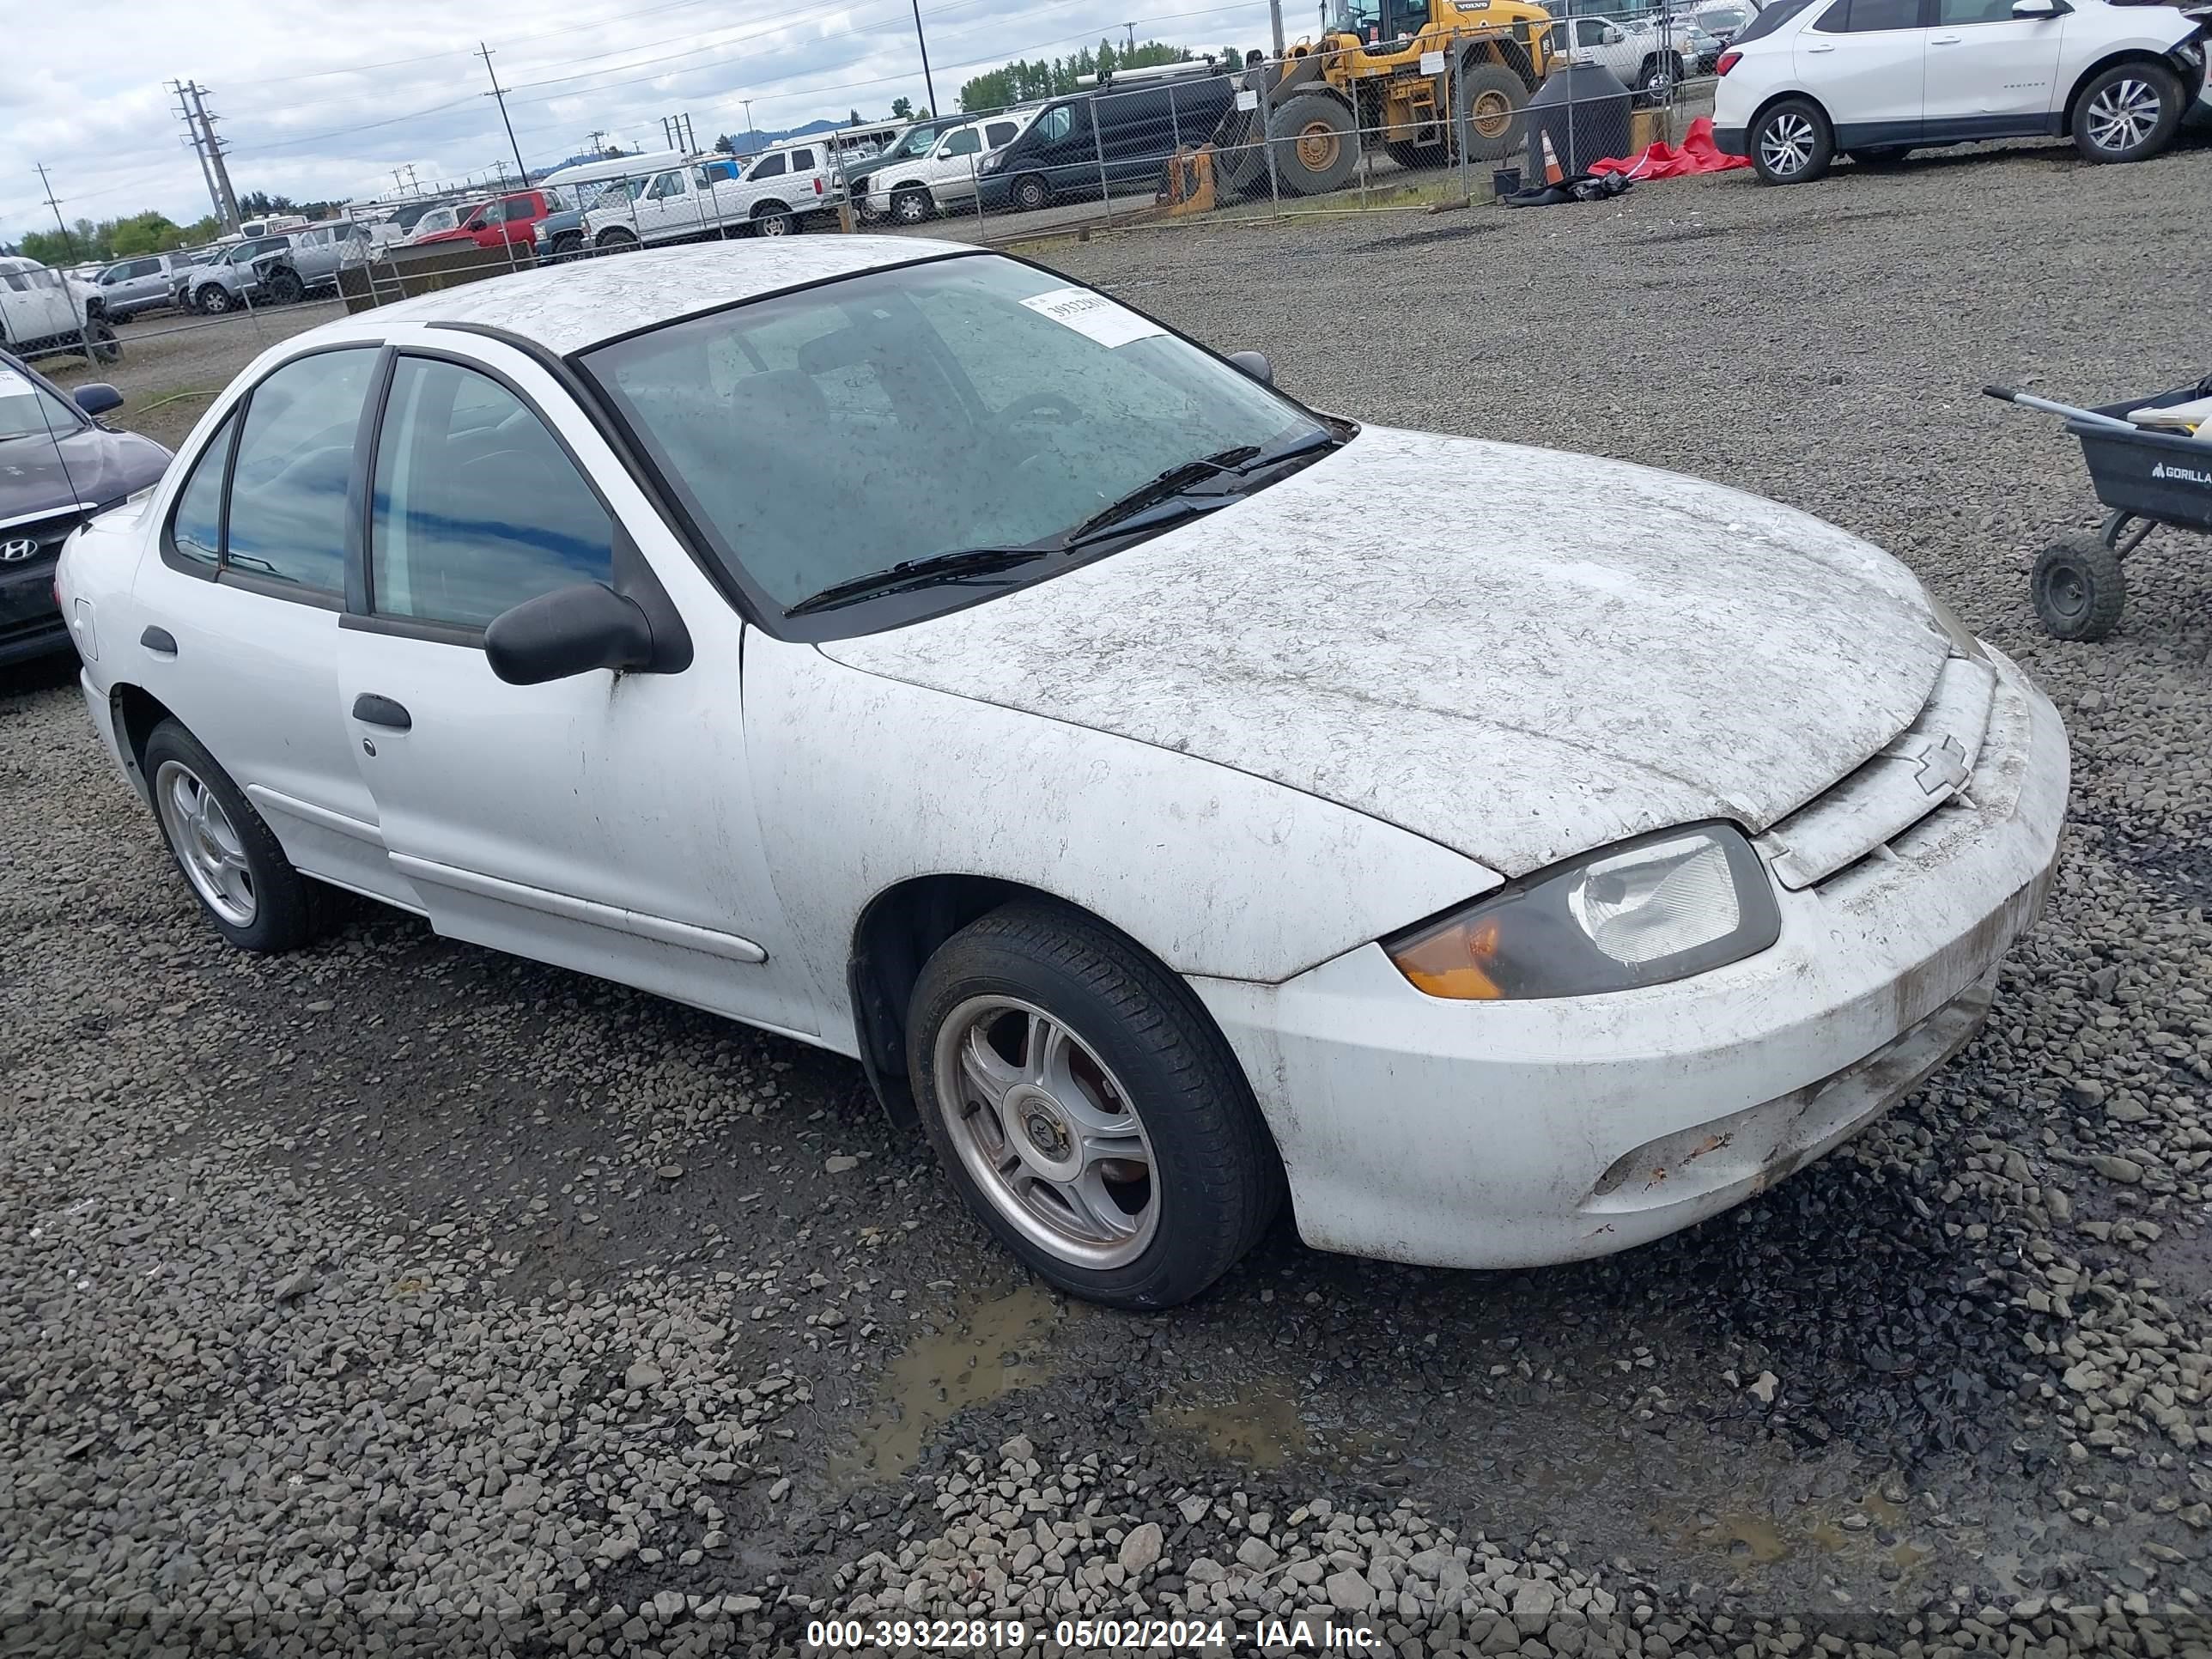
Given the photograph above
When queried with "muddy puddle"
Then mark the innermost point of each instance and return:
(1260, 1426)
(1867, 1529)
(988, 1351)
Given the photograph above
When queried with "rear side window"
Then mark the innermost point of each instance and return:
(1869, 17)
(196, 530)
(802, 161)
(1769, 20)
(476, 507)
(287, 522)
(1001, 132)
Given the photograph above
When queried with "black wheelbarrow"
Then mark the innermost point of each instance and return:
(2147, 476)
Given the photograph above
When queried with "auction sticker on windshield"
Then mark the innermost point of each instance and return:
(1093, 315)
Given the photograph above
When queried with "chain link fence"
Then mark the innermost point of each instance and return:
(1450, 118)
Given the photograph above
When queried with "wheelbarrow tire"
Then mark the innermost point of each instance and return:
(2079, 589)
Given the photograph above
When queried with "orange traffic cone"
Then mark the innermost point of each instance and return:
(1553, 173)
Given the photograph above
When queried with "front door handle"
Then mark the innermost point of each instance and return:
(373, 710)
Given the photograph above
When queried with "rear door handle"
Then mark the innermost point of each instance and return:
(1942, 39)
(373, 710)
(1819, 47)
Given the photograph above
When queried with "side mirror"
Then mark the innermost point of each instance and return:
(1614, 35)
(1256, 364)
(569, 631)
(97, 397)
(2037, 7)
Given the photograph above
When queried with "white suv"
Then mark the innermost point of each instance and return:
(912, 189)
(43, 311)
(1876, 78)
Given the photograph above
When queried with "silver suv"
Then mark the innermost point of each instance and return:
(272, 270)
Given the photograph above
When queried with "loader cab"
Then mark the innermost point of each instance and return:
(1380, 25)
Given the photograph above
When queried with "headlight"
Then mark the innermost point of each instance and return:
(1962, 642)
(1655, 909)
(992, 163)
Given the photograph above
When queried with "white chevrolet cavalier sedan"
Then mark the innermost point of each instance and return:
(1183, 800)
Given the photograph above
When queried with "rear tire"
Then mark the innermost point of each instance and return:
(1791, 142)
(2079, 589)
(2128, 112)
(1032, 1007)
(1315, 145)
(774, 219)
(1490, 99)
(1655, 84)
(285, 287)
(228, 856)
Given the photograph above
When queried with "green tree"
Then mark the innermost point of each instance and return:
(726, 144)
(902, 109)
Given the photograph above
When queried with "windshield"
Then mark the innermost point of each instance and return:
(437, 219)
(28, 410)
(919, 140)
(899, 415)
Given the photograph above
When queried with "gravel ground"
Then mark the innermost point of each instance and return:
(397, 1298)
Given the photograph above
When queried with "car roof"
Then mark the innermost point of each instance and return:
(568, 307)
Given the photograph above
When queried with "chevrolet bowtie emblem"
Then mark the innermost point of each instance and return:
(1942, 766)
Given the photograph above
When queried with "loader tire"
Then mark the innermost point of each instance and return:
(1315, 142)
(1489, 100)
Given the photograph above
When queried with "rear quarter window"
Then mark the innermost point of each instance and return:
(1771, 20)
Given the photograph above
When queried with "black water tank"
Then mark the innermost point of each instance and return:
(1584, 109)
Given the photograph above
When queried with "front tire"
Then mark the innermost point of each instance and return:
(1792, 143)
(1490, 99)
(228, 856)
(2079, 589)
(2128, 112)
(215, 299)
(1031, 193)
(912, 207)
(774, 219)
(1087, 1110)
(98, 342)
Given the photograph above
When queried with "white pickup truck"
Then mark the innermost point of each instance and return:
(781, 189)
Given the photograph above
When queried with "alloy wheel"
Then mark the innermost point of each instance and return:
(1052, 1139)
(207, 844)
(2122, 114)
(1787, 144)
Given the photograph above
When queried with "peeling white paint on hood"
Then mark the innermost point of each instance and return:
(1521, 654)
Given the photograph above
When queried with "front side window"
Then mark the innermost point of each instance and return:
(973, 402)
(769, 166)
(475, 506)
(196, 530)
(287, 493)
(1056, 123)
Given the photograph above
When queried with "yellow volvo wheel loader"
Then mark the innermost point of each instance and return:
(1374, 71)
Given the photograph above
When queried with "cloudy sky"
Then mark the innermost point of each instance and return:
(320, 99)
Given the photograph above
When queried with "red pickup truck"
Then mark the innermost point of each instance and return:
(505, 219)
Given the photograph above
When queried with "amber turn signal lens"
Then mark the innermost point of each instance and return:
(1453, 962)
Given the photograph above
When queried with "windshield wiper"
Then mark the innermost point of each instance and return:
(964, 565)
(1176, 493)
(1166, 488)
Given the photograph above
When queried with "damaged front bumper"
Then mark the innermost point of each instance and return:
(1515, 1134)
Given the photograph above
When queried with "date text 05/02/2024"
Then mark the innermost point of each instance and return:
(1220, 1636)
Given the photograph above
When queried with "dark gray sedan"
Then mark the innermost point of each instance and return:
(58, 467)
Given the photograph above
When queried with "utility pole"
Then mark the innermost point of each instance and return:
(748, 103)
(227, 197)
(1132, 27)
(206, 173)
(1275, 19)
(497, 92)
(598, 141)
(927, 85)
(67, 241)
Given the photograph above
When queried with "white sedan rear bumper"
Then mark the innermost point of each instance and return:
(1507, 1134)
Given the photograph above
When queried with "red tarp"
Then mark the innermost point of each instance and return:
(1696, 154)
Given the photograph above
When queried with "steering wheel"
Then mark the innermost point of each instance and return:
(1038, 403)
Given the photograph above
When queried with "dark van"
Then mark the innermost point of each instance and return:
(1114, 134)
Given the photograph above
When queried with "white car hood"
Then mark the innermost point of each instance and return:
(1520, 653)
